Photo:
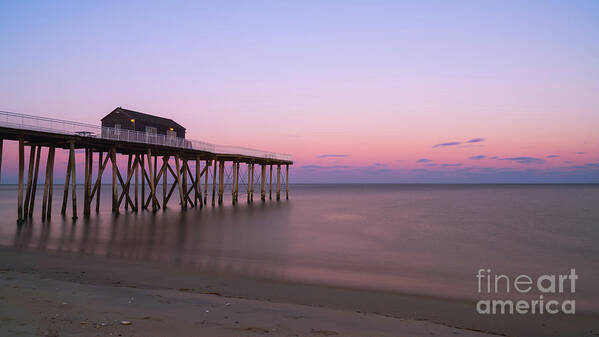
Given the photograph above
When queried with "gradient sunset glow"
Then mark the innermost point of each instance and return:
(356, 91)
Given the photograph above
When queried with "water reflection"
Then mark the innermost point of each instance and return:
(230, 239)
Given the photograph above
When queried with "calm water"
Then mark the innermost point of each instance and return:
(423, 239)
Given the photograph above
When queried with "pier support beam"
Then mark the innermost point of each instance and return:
(99, 180)
(67, 181)
(152, 181)
(206, 169)
(263, 182)
(34, 186)
(233, 183)
(286, 181)
(178, 168)
(214, 182)
(1, 146)
(114, 173)
(278, 181)
(198, 189)
(48, 185)
(20, 186)
(164, 182)
(270, 183)
(73, 179)
(29, 179)
(221, 174)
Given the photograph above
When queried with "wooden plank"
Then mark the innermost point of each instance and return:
(20, 188)
(35, 174)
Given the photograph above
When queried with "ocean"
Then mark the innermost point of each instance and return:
(417, 239)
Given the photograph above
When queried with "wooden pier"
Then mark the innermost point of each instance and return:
(152, 160)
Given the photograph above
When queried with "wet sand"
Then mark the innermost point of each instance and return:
(55, 294)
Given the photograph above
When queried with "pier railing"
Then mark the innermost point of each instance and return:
(45, 124)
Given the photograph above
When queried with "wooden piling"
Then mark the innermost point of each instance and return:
(136, 183)
(46, 185)
(20, 188)
(207, 169)
(270, 183)
(278, 182)
(184, 180)
(263, 182)
(99, 180)
(198, 189)
(29, 178)
(237, 183)
(114, 173)
(152, 181)
(234, 173)
(67, 181)
(164, 182)
(129, 169)
(86, 183)
(249, 182)
(178, 168)
(214, 183)
(221, 174)
(252, 185)
(73, 180)
(287, 181)
(34, 186)
(1, 146)
(51, 154)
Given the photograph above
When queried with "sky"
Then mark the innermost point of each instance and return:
(355, 91)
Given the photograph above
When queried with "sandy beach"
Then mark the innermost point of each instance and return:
(54, 294)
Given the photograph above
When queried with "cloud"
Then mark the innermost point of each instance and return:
(451, 165)
(318, 167)
(333, 156)
(473, 140)
(525, 160)
(479, 157)
(552, 156)
(447, 144)
(430, 164)
(423, 160)
(579, 152)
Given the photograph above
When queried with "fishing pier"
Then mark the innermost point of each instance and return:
(198, 171)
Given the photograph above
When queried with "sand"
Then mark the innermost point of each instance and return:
(54, 294)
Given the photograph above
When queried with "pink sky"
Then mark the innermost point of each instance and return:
(355, 92)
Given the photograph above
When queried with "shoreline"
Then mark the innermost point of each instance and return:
(114, 274)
